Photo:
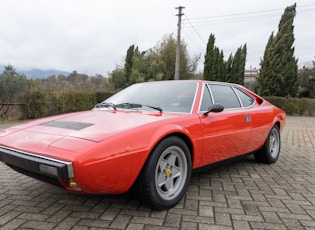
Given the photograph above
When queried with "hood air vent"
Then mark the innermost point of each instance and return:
(67, 125)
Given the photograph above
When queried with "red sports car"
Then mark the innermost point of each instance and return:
(149, 136)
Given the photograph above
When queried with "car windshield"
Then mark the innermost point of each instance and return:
(166, 96)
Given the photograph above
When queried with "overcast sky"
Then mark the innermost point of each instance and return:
(92, 36)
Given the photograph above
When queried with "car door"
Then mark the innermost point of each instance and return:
(225, 134)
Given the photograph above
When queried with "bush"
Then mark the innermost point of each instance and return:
(101, 96)
(277, 101)
(43, 104)
(303, 104)
(36, 106)
(290, 108)
(84, 101)
(294, 106)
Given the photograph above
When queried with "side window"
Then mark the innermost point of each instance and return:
(206, 101)
(225, 96)
(246, 100)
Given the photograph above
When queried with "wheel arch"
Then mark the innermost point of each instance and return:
(280, 120)
(185, 138)
(190, 134)
(180, 135)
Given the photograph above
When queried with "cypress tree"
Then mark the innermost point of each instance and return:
(217, 60)
(209, 58)
(242, 64)
(278, 75)
(228, 66)
(235, 66)
(214, 66)
(129, 63)
(216, 69)
(221, 69)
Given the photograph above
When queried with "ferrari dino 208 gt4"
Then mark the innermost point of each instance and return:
(149, 136)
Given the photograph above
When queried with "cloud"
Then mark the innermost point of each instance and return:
(92, 36)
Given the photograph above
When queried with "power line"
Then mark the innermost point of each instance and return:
(232, 15)
(230, 18)
(246, 13)
(195, 30)
(196, 43)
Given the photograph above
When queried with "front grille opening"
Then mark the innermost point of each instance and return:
(47, 179)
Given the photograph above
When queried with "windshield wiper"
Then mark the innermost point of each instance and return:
(154, 107)
(135, 105)
(106, 105)
(128, 105)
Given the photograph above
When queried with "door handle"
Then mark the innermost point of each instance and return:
(247, 118)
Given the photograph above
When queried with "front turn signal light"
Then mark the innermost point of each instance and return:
(73, 185)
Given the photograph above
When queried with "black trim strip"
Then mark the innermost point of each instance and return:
(221, 163)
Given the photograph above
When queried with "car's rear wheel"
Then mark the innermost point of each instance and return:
(166, 174)
(270, 151)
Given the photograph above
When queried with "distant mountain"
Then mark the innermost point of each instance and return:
(38, 73)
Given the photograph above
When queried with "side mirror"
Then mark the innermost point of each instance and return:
(216, 108)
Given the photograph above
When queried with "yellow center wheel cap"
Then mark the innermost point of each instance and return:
(167, 172)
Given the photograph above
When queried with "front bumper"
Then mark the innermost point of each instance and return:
(36, 166)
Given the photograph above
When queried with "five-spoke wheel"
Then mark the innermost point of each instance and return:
(171, 172)
(166, 174)
(270, 151)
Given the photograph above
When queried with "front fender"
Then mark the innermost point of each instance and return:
(191, 133)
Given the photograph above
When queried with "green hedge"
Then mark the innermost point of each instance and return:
(43, 104)
(101, 96)
(294, 106)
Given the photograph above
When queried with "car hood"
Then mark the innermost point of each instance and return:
(94, 125)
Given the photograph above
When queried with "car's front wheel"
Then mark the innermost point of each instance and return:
(270, 151)
(166, 174)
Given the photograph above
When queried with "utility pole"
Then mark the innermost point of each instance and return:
(177, 64)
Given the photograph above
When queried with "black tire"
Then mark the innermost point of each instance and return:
(270, 151)
(165, 177)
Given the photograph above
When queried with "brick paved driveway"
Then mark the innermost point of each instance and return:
(243, 195)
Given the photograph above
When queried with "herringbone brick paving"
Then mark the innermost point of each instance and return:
(243, 195)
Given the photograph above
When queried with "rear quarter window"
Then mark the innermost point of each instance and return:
(246, 100)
